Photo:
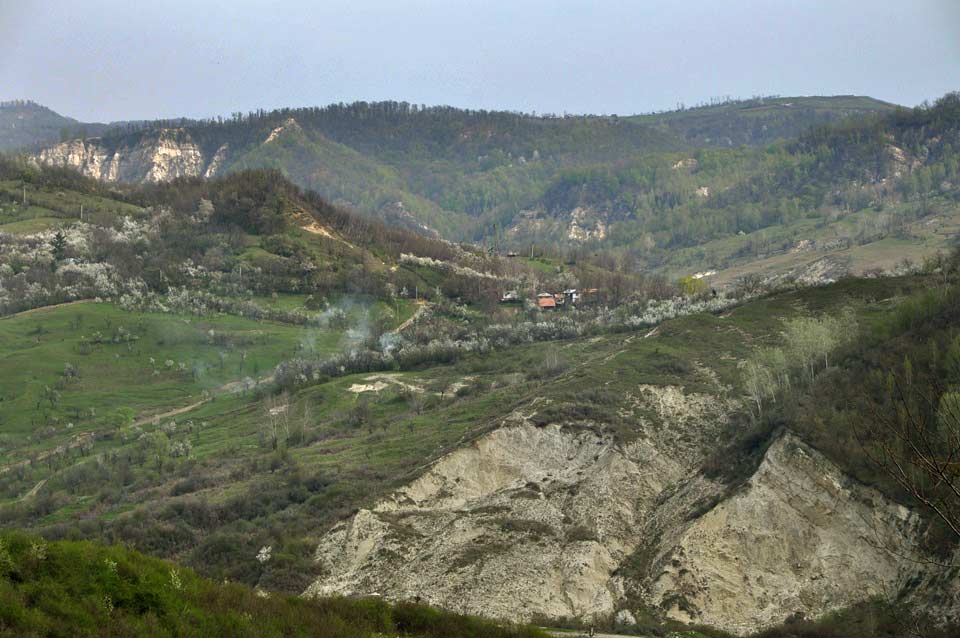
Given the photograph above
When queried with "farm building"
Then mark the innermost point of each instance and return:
(546, 301)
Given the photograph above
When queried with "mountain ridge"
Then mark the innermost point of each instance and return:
(465, 174)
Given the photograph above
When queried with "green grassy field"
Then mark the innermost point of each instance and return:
(50, 207)
(371, 430)
(147, 362)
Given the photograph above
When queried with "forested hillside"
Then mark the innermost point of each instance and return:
(760, 120)
(647, 185)
(854, 183)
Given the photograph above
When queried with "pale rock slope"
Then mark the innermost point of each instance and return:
(798, 537)
(529, 522)
(165, 155)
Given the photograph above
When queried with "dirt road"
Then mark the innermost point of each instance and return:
(42, 308)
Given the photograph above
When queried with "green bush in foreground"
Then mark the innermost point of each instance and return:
(77, 589)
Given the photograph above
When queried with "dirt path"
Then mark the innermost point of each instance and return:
(77, 441)
(409, 322)
(34, 490)
(87, 437)
(25, 313)
(169, 413)
(226, 388)
(581, 633)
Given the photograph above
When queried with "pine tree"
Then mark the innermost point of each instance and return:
(58, 245)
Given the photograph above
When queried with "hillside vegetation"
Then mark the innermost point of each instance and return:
(79, 589)
(233, 372)
(781, 187)
(836, 188)
(480, 174)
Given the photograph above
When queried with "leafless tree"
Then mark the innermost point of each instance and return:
(914, 437)
(275, 427)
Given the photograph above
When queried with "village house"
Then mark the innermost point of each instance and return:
(546, 301)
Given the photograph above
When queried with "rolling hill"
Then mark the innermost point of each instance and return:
(464, 174)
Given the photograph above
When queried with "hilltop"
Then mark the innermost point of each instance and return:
(24, 124)
(759, 121)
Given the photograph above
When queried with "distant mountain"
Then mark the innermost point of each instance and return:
(26, 124)
(440, 165)
(463, 174)
(809, 180)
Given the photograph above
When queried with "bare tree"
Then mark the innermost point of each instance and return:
(914, 437)
(275, 427)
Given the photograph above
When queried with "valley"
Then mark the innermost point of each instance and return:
(353, 400)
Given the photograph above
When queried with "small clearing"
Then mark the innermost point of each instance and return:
(317, 229)
(359, 388)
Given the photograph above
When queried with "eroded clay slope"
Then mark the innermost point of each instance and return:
(531, 522)
(799, 537)
(525, 521)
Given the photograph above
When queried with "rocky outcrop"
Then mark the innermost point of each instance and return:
(216, 164)
(87, 156)
(509, 527)
(157, 156)
(586, 224)
(565, 521)
(800, 538)
(289, 126)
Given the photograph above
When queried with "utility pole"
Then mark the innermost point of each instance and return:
(81, 211)
(24, 195)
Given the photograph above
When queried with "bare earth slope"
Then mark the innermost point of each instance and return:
(540, 521)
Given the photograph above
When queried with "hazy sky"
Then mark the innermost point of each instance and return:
(127, 59)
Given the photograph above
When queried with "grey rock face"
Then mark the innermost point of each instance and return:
(541, 521)
(167, 155)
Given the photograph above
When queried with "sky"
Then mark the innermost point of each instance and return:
(104, 60)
